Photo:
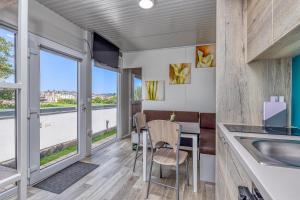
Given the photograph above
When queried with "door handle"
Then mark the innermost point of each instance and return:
(30, 113)
(83, 107)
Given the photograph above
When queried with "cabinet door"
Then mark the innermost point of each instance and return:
(221, 168)
(220, 183)
(286, 16)
(229, 172)
(259, 27)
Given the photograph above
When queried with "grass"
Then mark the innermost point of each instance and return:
(54, 156)
(104, 135)
(52, 105)
(73, 148)
(4, 107)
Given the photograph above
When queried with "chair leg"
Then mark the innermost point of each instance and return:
(149, 179)
(136, 152)
(187, 171)
(177, 181)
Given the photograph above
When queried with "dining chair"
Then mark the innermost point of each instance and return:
(169, 133)
(140, 123)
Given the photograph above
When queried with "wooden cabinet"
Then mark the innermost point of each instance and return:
(259, 27)
(273, 29)
(286, 17)
(229, 172)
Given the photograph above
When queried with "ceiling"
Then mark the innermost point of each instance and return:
(169, 23)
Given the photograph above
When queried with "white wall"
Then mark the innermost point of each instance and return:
(46, 23)
(198, 96)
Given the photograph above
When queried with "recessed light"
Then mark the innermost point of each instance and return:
(146, 4)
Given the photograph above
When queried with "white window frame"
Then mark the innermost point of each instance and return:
(17, 86)
(20, 85)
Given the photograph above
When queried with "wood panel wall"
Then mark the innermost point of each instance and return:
(242, 88)
(6, 3)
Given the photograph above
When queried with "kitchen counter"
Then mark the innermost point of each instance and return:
(276, 183)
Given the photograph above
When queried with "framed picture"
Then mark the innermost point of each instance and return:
(180, 73)
(206, 56)
(153, 90)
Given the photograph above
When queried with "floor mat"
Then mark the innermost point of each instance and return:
(63, 179)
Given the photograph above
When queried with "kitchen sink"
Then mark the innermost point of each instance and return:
(285, 153)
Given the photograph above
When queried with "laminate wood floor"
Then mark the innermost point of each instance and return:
(114, 180)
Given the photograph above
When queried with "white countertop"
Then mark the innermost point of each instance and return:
(276, 183)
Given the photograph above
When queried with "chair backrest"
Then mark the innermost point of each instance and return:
(140, 121)
(164, 131)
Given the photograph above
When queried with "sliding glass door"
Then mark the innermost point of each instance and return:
(55, 114)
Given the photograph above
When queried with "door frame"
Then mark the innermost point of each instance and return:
(36, 44)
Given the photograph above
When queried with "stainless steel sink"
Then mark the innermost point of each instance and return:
(285, 153)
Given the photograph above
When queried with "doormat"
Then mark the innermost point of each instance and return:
(63, 179)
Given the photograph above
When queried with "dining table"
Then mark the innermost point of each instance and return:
(188, 130)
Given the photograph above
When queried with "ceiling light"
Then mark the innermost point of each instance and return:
(146, 4)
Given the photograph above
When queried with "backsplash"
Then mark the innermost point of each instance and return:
(295, 92)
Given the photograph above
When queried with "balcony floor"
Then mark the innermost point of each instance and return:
(114, 180)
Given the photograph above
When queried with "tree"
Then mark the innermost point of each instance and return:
(67, 101)
(6, 68)
(137, 93)
(107, 100)
(6, 94)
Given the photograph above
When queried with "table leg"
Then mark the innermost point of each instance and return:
(195, 163)
(145, 156)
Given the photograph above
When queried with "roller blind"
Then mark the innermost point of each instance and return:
(105, 52)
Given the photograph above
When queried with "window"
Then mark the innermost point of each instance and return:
(104, 105)
(58, 107)
(7, 99)
(7, 55)
(8, 128)
(137, 89)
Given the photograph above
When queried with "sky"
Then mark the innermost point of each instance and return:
(137, 82)
(103, 81)
(57, 72)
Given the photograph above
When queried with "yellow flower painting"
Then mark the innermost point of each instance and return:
(205, 56)
(154, 90)
(180, 73)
